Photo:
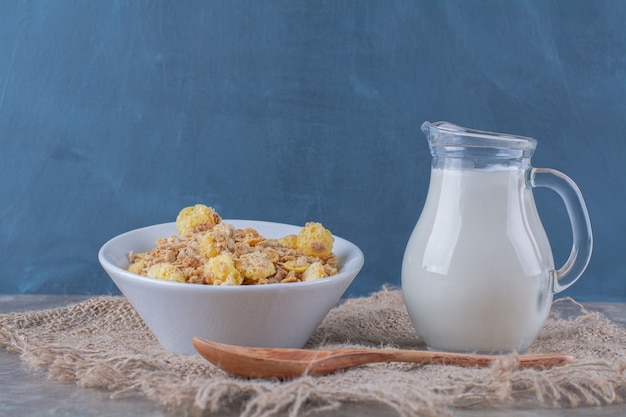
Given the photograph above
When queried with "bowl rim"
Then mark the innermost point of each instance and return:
(355, 255)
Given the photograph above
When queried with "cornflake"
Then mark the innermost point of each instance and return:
(210, 251)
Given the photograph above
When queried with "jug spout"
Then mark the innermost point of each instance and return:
(433, 131)
(434, 128)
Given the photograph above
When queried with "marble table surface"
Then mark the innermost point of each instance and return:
(24, 392)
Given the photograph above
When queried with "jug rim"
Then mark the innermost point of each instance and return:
(449, 134)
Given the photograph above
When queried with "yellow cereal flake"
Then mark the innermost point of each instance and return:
(193, 217)
(208, 246)
(255, 265)
(271, 254)
(289, 241)
(249, 236)
(297, 265)
(314, 272)
(137, 267)
(315, 240)
(220, 270)
(166, 271)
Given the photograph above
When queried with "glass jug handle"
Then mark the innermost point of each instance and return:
(579, 218)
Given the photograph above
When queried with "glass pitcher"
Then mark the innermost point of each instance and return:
(478, 272)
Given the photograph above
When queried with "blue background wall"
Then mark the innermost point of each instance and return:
(116, 114)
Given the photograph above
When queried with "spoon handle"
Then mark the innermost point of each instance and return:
(348, 358)
(472, 360)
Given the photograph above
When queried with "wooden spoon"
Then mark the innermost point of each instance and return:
(282, 363)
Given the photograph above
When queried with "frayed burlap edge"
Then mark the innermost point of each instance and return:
(102, 343)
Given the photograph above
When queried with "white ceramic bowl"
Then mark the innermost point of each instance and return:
(273, 315)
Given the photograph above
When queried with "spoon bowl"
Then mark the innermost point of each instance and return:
(286, 363)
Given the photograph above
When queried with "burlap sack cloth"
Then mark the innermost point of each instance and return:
(103, 343)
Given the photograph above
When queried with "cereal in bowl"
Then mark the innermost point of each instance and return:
(210, 251)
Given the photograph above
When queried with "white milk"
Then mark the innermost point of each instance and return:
(476, 272)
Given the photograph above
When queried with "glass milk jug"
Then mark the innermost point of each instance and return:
(478, 273)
